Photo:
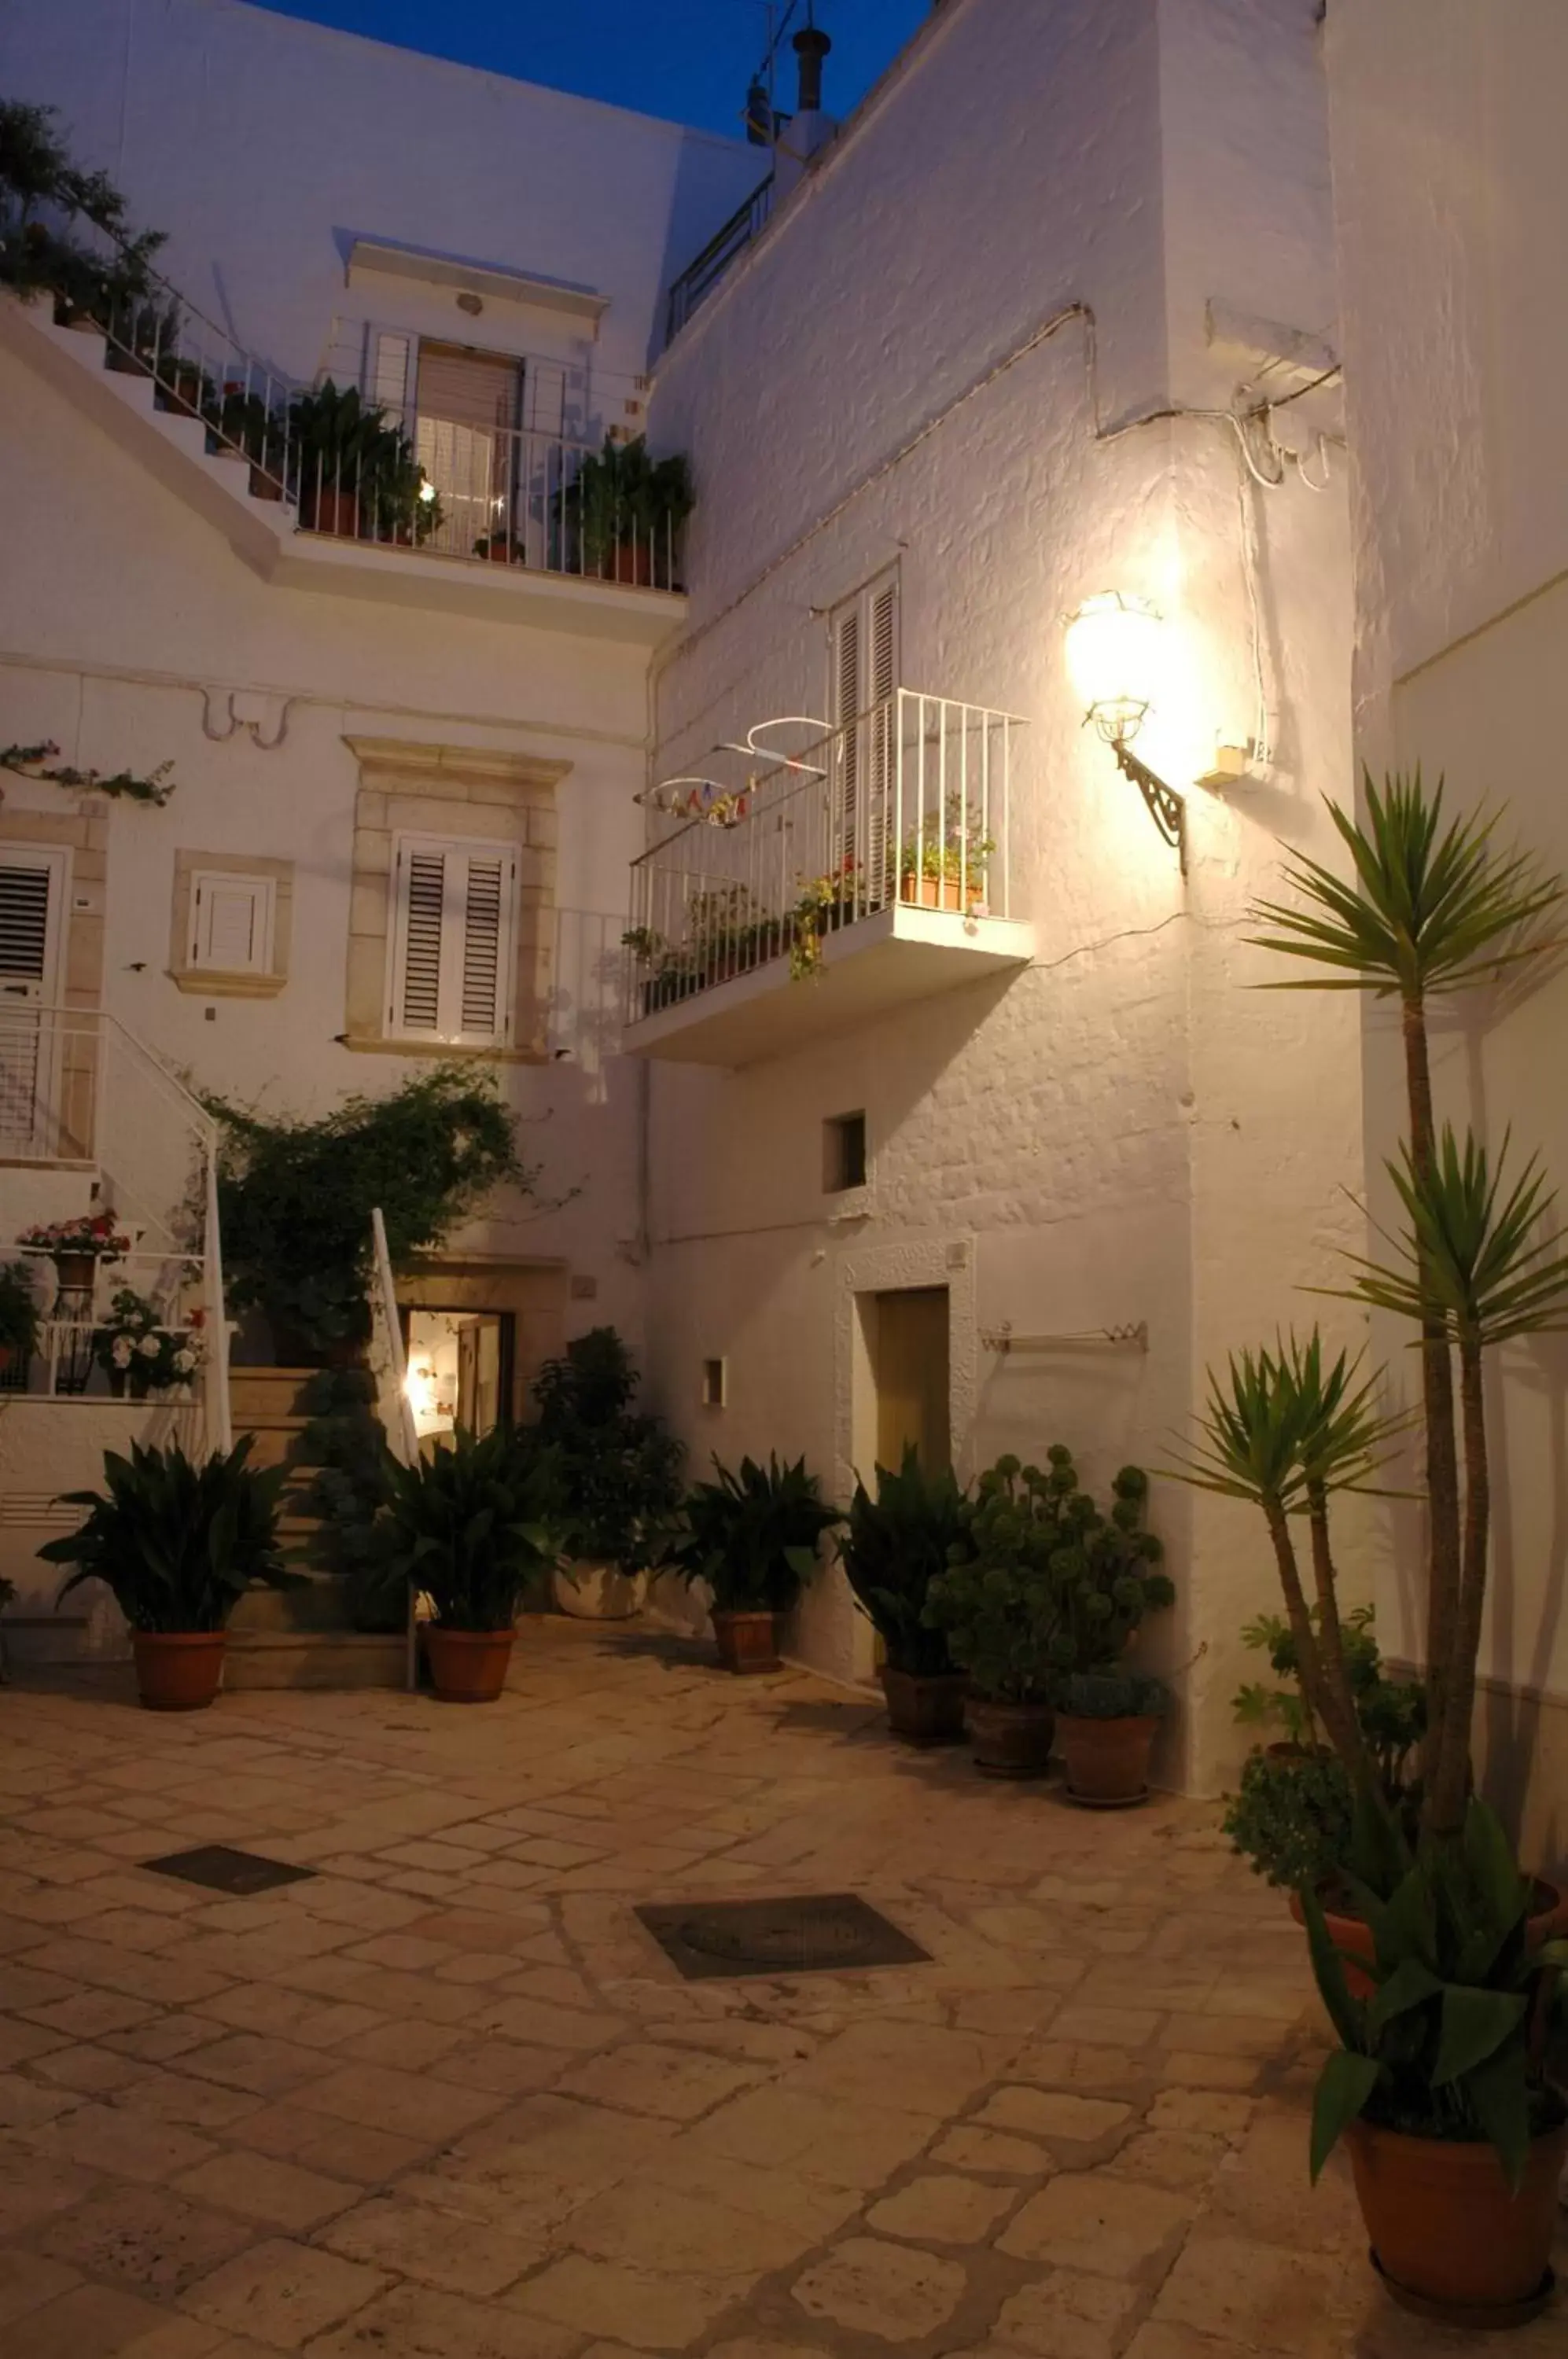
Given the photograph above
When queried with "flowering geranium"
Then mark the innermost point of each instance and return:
(90, 1232)
(136, 1343)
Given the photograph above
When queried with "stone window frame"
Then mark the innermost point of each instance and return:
(83, 836)
(450, 791)
(216, 982)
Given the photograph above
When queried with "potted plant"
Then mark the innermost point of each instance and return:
(892, 1547)
(945, 868)
(1431, 906)
(1107, 1580)
(619, 1475)
(76, 1246)
(752, 1537)
(140, 1353)
(177, 1544)
(18, 1315)
(353, 472)
(1000, 1611)
(468, 1525)
(626, 510)
(1457, 2137)
(497, 546)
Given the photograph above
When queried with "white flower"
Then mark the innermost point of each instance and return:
(121, 1354)
(184, 1362)
(151, 1347)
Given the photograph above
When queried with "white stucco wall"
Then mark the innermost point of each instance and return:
(1121, 1133)
(1449, 188)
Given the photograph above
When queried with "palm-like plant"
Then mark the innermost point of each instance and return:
(470, 1524)
(177, 1544)
(893, 1547)
(753, 1534)
(1436, 906)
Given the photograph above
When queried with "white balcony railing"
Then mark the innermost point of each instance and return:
(79, 1091)
(907, 806)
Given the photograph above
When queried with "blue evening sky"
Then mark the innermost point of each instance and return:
(688, 59)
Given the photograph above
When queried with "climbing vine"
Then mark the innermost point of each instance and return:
(37, 762)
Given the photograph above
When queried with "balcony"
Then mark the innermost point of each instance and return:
(699, 277)
(864, 872)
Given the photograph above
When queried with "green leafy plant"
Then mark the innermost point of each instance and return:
(1000, 1607)
(1392, 1713)
(753, 1536)
(135, 1342)
(1444, 2049)
(295, 1197)
(1110, 1695)
(894, 1545)
(619, 1470)
(39, 762)
(471, 1525)
(36, 174)
(340, 443)
(176, 1543)
(1434, 906)
(1106, 1570)
(18, 1311)
(1291, 1815)
(623, 497)
(349, 1484)
(961, 847)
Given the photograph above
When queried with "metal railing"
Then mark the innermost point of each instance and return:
(355, 470)
(909, 803)
(78, 1088)
(701, 276)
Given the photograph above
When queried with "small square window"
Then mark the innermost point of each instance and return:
(232, 921)
(844, 1153)
(715, 1383)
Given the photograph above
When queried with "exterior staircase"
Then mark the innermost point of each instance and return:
(297, 1637)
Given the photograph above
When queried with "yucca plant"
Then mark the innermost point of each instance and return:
(753, 1534)
(176, 1543)
(471, 1523)
(1436, 906)
(893, 1545)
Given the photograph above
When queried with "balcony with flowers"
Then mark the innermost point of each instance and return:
(867, 869)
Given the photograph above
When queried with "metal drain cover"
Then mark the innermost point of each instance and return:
(824, 1932)
(219, 1869)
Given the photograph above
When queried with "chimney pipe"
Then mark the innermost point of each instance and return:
(811, 46)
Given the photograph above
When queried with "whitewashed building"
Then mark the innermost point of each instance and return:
(1052, 318)
(1455, 333)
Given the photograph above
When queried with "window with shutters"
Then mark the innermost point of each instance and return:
(452, 965)
(863, 645)
(32, 892)
(231, 922)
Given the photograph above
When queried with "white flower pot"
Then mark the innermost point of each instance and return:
(600, 1592)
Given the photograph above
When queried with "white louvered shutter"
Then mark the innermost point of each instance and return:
(864, 673)
(32, 900)
(453, 930)
(231, 922)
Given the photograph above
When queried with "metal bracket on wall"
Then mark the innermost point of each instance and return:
(1132, 1338)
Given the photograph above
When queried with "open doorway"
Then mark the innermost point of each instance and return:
(906, 1351)
(459, 1369)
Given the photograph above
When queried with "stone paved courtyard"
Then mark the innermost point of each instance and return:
(447, 2100)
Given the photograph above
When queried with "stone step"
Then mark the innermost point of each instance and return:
(314, 1658)
(318, 1605)
(278, 1441)
(261, 1392)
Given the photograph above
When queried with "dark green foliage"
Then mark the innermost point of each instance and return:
(619, 1470)
(622, 495)
(1392, 1713)
(18, 1309)
(1051, 1585)
(1110, 1695)
(471, 1524)
(1442, 2049)
(295, 1197)
(351, 1483)
(753, 1536)
(37, 173)
(1291, 1816)
(341, 443)
(893, 1547)
(177, 1544)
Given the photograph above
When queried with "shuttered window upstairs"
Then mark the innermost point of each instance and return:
(32, 904)
(864, 673)
(453, 934)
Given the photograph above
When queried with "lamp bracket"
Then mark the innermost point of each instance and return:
(1167, 808)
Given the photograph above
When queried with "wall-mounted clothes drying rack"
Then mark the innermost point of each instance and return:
(1129, 1338)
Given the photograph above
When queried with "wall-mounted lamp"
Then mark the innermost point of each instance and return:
(1113, 657)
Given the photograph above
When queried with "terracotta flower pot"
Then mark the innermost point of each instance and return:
(177, 1670)
(1010, 1740)
(748, 1642)
(468, 1665)
(591, 1592)
(1106, 1760)
(73, 1271)
(631, 561)
(7, 1354)
(322, 509)
(924, 1709)
(1446, 2231)
(939, 892)
(1547, 1920)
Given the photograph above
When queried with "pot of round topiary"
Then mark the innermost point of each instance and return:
(752, 1539)
(892, 1547)
(468, 1526)
(1010, 1736)
(1106, 1726)
(177, 1544)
